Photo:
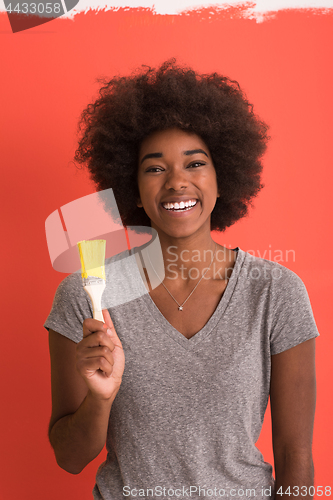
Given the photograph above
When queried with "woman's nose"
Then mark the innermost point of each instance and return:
(176, 179)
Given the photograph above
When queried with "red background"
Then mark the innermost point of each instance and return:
(48, 75)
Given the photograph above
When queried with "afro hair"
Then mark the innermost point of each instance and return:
(129, 108)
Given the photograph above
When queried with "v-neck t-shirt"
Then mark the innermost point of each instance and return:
(188, 413)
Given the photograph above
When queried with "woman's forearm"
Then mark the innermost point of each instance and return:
(294, 477)
(78, 438)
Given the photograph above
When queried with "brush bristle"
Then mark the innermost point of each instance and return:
(92, 255)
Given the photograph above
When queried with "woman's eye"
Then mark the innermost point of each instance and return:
(154, 169)
(196, 164)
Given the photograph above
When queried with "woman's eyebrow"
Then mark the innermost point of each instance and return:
(151, 155)
(187, 153)
(194, 152)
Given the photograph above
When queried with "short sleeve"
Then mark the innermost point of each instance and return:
(292, 317)
(71, 306)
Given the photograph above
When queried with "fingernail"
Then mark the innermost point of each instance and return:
(109, 331)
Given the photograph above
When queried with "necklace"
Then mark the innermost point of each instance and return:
(180, 306)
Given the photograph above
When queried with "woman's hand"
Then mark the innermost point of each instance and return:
(85, 380)
(100, 358)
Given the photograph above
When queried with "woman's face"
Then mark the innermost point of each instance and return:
(177, 182)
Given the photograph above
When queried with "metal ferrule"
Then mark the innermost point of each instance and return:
(92, 280)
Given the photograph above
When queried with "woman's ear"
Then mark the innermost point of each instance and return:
(138, 203)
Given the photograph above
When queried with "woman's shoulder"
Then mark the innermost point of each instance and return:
(271, 279)
(265, 270)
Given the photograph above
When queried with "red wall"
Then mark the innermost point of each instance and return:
(48, 76)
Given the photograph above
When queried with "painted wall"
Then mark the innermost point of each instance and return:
(49, 72)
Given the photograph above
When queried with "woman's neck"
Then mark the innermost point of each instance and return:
(186, 259)
(181, 258)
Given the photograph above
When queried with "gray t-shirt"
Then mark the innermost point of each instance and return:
(189, 411)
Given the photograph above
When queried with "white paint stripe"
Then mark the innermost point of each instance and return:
(176, 6)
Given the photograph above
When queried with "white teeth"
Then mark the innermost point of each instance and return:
(181, 205)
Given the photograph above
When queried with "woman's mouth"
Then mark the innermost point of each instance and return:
(182, 206)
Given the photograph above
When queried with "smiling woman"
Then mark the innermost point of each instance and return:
(176, 168)
(177, 383)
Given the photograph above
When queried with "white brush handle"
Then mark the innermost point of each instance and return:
(95, 293)
(98, 315)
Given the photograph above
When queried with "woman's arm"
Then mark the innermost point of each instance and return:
(293, 399)
(85, 380)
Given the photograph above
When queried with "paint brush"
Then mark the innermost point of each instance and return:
(92, 256)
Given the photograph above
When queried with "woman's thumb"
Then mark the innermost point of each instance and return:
(107, 318)
(109, 324)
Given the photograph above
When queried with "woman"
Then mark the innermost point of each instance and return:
(220, 333)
